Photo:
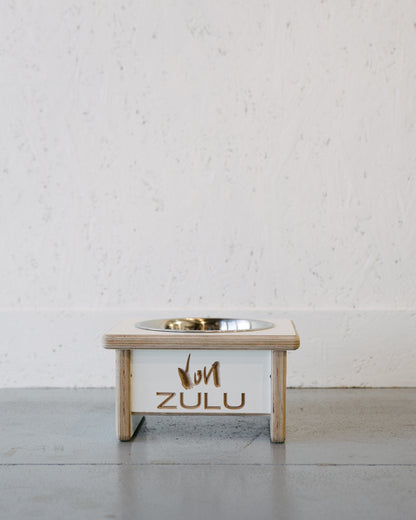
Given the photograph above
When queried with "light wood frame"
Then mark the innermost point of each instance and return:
(278, 400)
(127, 422)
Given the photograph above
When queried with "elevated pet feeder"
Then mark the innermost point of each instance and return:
(188, 366)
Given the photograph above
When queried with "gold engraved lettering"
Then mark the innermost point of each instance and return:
(206, 406)
(162, 405)
(243, 402)
(197, 377)
(214, 371)
(186, 379)
(184, 375)
(189, 406)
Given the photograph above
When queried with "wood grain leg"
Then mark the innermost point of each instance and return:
(126, 424)
(278, 398)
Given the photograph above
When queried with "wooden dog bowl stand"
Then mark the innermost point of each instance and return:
(253, 362)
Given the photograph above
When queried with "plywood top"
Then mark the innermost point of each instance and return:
(125, 335)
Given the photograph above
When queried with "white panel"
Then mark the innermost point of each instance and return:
(244, 381)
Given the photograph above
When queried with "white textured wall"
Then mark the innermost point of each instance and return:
(242, 157)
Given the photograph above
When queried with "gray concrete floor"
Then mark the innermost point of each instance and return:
(349, 454)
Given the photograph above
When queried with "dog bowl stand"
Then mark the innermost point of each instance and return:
(253, 361)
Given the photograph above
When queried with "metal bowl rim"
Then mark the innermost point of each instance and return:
(152, 325)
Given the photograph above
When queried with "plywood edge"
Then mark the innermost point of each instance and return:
(278, 397)
(123, 395)
(113, 341)
(296, 335)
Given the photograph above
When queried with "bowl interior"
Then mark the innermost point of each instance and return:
(204, 325)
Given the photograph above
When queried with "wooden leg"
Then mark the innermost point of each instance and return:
(125, 426)
(278, 404)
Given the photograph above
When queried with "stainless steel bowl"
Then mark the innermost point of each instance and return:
(204, 325)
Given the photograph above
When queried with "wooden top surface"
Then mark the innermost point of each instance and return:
(125, 335)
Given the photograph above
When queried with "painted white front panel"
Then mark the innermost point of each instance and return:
(244, 376)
